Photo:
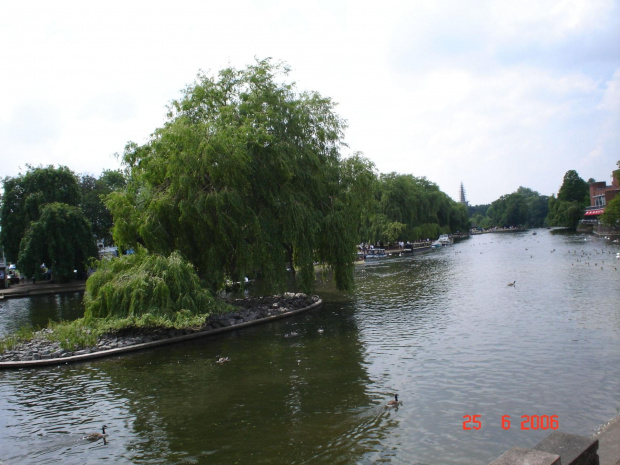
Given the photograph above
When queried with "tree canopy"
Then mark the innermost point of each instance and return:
(61, 238)
(26, 194)
(141, 283)
(574, 189)
(524, 207)
(567, 209)
(244, 178)
(409, 208)
(93, 191)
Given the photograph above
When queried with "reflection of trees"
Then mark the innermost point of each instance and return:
(299, 399)
(38, 311)
(46, 413)
(282, 400)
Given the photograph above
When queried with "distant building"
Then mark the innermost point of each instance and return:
(462, 196)
(601, 194)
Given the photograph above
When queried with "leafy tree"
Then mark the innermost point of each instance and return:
(524, 207)
(538, 209)
(473, 210)
(92, 204)
(26, 194)
(574, 189)
(140, 283)
(564, 214)
(410, 208)
(509, 210)
(611, 217)
(244, 177)
(61, 238)
(567, 209)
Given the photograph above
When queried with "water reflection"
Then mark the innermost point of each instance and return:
(292, 400)
(37, 311)
(442, 330)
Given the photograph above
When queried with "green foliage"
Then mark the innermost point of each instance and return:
(409, 208)
(244, 179)
(93, 193)
(9, 342)
(567, 209)
(574, 189)
(72, 335)
(85, 332)
(525, 207)
(473, 210)
(141, 283)
(61, 238)
(564, 214)
(26, 194)
(611, 217)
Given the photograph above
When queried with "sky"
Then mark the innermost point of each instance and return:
(492, 94)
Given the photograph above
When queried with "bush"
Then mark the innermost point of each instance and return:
(142, 283)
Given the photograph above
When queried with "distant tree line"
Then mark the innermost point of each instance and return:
(527, 208)
(50, 216)
(245, 178)
(523, 208)
(409, 208)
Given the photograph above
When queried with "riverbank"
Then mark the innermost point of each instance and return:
(41, 351)
(24, 289)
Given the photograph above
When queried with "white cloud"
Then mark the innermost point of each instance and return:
(493, 94)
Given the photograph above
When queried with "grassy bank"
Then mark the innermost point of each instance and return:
(85, 332)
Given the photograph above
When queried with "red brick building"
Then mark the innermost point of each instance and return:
(601, 194)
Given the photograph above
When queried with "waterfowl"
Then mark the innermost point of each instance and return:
(393, 403)
(321, 330)
(95, 436)
(512, 283)
(222, 360)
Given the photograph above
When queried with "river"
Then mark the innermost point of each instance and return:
(443, 330)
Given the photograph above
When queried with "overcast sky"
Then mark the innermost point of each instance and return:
(494, 94)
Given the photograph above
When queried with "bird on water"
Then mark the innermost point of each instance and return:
(512, 283)
(393, 403)
(95, 436)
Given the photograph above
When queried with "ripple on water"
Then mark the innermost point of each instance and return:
(443, 330)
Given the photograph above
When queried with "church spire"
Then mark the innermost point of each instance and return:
(462, 195)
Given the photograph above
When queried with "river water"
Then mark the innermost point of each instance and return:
(443, 330)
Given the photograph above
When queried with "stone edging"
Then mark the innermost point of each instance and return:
(149, 345)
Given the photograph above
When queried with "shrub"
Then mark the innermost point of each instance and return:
(142, 283)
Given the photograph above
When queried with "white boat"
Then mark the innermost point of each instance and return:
(443, 240)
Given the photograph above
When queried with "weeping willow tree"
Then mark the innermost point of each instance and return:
(137, 284)
(244, 179)
(411, 208)
(62, 239)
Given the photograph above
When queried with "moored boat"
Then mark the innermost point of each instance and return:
(444, 240)
(375, 253)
